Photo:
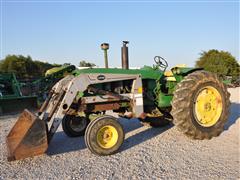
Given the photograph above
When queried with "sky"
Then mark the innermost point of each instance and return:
(71, 31)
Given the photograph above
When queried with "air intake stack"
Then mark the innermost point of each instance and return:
(105, 47)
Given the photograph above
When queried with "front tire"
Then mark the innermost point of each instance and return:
(74, 126)
(200, 106)
(104, 135)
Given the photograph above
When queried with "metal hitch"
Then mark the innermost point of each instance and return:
(27, 138)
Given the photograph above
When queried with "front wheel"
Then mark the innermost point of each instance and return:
(200, 106)
(74, 126)
(104, 135)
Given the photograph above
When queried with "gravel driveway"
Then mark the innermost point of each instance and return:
(147, 153)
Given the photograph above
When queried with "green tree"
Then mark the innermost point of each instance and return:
(20, 65)
(219, 62)
(86, 64)
(24, 67)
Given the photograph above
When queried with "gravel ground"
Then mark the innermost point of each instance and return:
(147, 153)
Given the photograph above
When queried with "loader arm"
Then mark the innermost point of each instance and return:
(68, 88)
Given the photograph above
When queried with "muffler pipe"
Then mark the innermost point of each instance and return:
(125, 62)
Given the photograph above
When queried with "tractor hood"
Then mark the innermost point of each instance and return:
(146, 72)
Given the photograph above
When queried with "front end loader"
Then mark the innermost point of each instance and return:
(196, 101)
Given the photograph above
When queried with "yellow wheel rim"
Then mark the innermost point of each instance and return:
(208, 106)
(107, 136)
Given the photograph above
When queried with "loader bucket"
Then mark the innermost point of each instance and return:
(27, 138)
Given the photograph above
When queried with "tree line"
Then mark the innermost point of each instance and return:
(25, 67)
(219, 62)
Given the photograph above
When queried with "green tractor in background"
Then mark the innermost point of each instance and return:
(194, 100)
(15, 96)
(12, 98)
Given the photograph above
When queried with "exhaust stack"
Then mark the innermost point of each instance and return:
(105, 47)
(125, 63)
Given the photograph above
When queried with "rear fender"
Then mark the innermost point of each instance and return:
(180, 72)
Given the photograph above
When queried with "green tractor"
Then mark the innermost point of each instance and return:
(16, 96)
(194, 100)
(12, 94)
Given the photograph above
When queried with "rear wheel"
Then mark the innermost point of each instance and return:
(104, 135)
(200, 105)
(74, 126)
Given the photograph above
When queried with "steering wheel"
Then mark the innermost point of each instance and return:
(161, 62)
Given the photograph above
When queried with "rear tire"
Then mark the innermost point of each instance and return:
(196, 113)
(74, 126)
(104, 136)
